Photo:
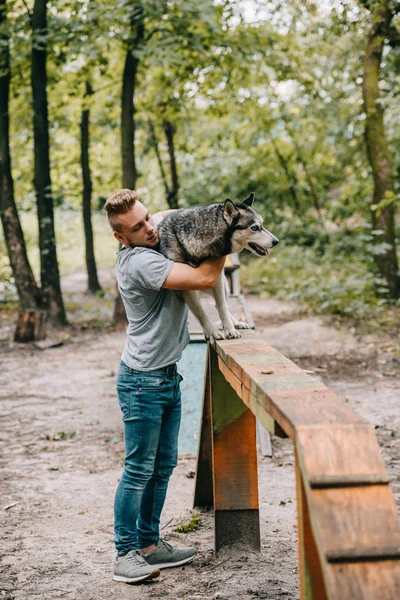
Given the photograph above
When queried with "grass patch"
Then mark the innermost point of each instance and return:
(192, 525)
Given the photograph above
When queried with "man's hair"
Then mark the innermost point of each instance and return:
(119, 204)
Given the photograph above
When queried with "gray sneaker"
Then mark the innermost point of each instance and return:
(133, 568)
(164, 555)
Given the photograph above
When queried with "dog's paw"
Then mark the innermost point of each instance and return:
(241, 325)
(214, 334)
(231, 334)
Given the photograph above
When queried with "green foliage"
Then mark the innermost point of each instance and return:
(264, 97)
(324, 273)
(192, 525)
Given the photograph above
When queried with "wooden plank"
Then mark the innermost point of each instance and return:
(312, 582)
(291, 397)
(341, 450)
(203, 495)
(293, 408)
(360, 517)
(235, 465)
(235, 476)
(250, 401)
(364, 581)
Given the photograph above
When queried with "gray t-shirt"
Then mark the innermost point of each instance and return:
(157, 318)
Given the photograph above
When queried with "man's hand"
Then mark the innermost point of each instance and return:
(184, 277)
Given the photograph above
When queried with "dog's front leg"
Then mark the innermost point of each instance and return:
(211, 332)
(219, 293)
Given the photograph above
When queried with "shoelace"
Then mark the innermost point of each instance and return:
(166, 545)
(135, 558)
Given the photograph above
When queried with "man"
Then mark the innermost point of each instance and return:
(148, 385)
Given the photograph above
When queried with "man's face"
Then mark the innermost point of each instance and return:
(137, 228)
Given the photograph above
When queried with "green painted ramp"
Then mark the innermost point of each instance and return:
(191, 367)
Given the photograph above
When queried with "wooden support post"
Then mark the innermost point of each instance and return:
(234, 466)
(203, 494)
(265, 440)
(312, 585)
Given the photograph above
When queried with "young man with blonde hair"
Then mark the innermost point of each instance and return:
(148, 384)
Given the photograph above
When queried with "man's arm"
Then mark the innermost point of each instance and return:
(185, 277)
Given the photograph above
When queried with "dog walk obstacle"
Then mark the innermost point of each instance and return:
(348, 531)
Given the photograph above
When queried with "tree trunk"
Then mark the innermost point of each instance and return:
(49, 271)
(159, 159)
(382, 206)
(172, 197)
(31, 326)
(93, 281)
(28, 292)
(128, 124)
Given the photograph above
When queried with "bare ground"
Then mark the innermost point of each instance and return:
(57, 494)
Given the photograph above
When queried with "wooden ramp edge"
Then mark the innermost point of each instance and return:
(349, 534)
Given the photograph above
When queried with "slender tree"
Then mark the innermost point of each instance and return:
(27, 289)
(49, 272)
(128, 123)
(172, 197)
(382, 205)
(93, 281)
(154, 142)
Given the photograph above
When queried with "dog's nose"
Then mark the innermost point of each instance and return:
(275, 241)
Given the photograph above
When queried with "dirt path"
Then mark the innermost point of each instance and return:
(57, 494)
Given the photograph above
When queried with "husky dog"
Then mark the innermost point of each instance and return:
(190, 235)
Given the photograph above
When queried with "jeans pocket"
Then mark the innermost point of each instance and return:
(129, 400)
(151, 382)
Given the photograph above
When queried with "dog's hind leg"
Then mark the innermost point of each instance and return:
(237, 324)
(211, 332)
(220, 295)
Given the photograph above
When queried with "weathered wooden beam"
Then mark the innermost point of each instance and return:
(234, 466)
(374, 580)
(286, 393)
(312, 582)
(349, 451)
(349, 536)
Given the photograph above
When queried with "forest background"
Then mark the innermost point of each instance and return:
(195, 101)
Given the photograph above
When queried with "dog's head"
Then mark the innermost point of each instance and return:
(248, 229)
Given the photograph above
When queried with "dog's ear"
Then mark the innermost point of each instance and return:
(249, 200)
(230, 211)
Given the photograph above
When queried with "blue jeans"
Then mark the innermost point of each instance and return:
(151, 407)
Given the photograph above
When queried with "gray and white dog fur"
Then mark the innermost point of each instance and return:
(191, 235)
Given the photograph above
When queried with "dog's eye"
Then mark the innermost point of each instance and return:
(254, 228)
